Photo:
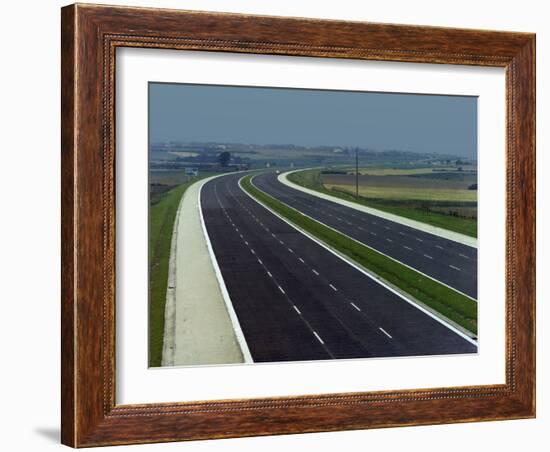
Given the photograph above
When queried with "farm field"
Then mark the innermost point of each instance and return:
(406, 193)
(407, 187)
(184, 153)
(168, 177)
(383, 171)
(161, 181)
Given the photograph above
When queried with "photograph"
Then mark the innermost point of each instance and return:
(291, 224)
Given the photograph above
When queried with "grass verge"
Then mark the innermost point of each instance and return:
(162, 215)
(440, 298)
(310, 179)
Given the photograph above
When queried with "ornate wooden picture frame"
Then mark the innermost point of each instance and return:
(90, 37)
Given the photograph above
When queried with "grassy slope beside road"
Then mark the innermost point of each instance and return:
(162, 215)
(310, 179)
(440, 298)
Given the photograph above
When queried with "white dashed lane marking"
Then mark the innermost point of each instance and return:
(356, 307)
(429, 257)
(318, 338)
(407, 247)
(385, 332)
(315, 271)
(296, 309)
(333, 288)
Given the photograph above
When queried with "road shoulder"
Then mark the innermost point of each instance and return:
(198, 326)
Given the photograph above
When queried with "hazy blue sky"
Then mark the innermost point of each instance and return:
(422, 123)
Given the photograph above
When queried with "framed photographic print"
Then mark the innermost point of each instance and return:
(281, 225)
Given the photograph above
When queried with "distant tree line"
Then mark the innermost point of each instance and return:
(224, 158)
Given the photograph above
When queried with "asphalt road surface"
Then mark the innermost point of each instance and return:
(447, 261)
(295, 300)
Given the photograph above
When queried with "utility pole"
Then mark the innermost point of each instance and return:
(357, 173)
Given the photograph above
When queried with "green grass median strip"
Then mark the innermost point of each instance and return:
(310, 179)
(440, 298)
(162, 215)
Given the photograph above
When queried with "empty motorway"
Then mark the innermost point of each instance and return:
(296, 300)
(449, 262)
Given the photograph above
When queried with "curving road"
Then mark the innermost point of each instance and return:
(447, 261)
(295, 300)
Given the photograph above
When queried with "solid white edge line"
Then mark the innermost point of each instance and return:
(225, 294)
(354, 265)
(434, 230)
(374, 249)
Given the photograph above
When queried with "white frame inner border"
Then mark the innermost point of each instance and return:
(136, 383)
